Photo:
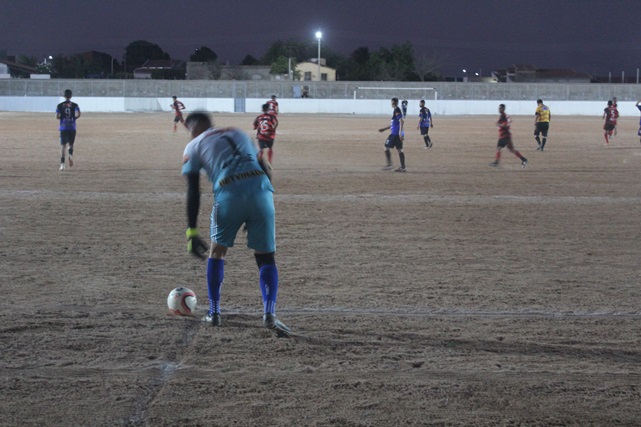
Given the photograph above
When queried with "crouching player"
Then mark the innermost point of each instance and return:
(243, 194)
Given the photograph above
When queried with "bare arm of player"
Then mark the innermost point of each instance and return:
(384, 129)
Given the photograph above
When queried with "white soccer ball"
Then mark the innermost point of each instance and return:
(182, 301)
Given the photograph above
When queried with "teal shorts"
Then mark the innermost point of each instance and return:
(255, 210)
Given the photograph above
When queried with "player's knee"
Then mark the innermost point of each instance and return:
(217, 251)
(265, 259)
(71, 151)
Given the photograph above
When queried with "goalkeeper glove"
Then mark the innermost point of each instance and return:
(195, 245)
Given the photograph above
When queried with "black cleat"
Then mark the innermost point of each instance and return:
(273, 324)
(213, 319)
(494, 164)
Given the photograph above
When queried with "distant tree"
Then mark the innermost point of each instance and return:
(356, 66)
(281, 66)
(250, 60)
(203, 54)
(426, 66)
(139, 51)
(294, 49)
(31, 61)
(395, 64)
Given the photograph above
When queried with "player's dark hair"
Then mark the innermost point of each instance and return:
(265, 108)
(273, 96)
(502, 106)
(404, 102)
(198, 119)
(174, 96)
(422, 101)
(395, 100)
(68, 93)
(609, 103)
(539, 101)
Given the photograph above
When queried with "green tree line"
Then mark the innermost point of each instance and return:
(395, 63)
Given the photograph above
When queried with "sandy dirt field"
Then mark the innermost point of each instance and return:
(453, 294)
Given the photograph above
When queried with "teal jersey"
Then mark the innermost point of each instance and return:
(229, 159)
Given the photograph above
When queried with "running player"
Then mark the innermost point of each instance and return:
(505, 138)
(404, 110)
(541, 123)
(67, 112)
(425, 122)
(178, 106)
(395, 138)
(243, 194)
(265, 126)
(273, 105)
(638, 104)
(610, 114)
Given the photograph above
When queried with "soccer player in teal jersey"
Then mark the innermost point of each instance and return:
(243, 194)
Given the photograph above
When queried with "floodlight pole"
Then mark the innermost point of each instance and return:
(319, 35)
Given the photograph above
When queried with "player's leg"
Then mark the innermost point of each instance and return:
(225, 223)
(71, 140)
(497, 157)
(176, 119)
(605, 134)
(388, 154)
(261, 237)
(510, 146)
(544, 133)
(537, 132)
(401, 157)
(63, 147)
(215, 278)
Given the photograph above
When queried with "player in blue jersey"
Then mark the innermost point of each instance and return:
(67, 112)
(404, 110)
(243, 194)
(638, 104)
(425, 122)
(395, 138)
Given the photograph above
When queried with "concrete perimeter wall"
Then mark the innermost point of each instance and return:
(325, 97)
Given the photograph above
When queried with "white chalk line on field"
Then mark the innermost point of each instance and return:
(437, 312)
(350, 198)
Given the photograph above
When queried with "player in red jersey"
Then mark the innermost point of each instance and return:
(178, 106)
(273, 106)
(610, 114)
(505, 138)
(265, 126)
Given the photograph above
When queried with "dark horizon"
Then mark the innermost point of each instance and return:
(593, 37)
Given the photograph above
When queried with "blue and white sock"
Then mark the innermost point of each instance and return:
(215, 277)
(268, 274)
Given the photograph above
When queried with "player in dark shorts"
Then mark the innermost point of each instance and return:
(178, 106)
(265, 125)
(610, 114)
(505, 138)
(425, 122)
(542, 118)
(67, 112)
(395, 138)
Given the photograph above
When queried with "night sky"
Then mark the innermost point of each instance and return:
(595, 36)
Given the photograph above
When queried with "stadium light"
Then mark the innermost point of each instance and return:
(319, 35)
